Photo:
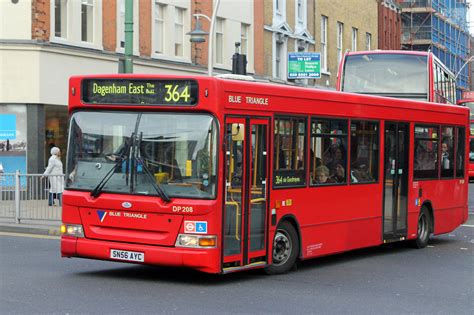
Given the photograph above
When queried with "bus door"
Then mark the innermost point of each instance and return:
(395, 181)
(245, 211)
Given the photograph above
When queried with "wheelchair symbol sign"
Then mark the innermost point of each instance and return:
(201, 227)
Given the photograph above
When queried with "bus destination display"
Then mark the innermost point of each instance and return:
(139, 92)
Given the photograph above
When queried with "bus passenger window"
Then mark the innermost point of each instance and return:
(447, 152)
(460, 152)
(426, 152)
(289, 151)
(364, 151)
(328, 151)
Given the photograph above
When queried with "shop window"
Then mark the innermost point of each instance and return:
(328, 151)
(364, 151)
(289, 152)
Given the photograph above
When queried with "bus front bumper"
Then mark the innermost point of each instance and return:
(205, 260)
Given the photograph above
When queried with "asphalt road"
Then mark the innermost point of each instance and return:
(393, 279)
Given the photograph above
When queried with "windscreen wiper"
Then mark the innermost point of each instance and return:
(118, 162)
(158, 187)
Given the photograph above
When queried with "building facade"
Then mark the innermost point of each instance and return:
(389, 25)
(288, 26)
(441, 27)
(44, 42)
(338, 29)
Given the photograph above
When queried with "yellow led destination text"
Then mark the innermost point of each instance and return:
(131, 88)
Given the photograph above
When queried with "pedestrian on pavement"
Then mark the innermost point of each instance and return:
(55, 176)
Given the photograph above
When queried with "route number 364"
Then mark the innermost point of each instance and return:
(173, 94)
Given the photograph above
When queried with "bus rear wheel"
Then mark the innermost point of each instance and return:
(285, 249)
(423, 231)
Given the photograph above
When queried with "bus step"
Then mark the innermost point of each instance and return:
(393, 240)
(251, 266)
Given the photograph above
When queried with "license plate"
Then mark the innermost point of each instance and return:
(127, 255)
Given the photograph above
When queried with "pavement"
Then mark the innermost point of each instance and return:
(37, 227)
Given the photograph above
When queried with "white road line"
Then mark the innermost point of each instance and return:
(31, 235)
(467, 225)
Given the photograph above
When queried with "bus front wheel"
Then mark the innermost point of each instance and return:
(285, 249)
(423, 232)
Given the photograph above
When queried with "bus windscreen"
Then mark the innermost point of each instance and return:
(395, 75)
(139, 92)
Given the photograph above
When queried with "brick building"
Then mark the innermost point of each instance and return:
(44, 42)
(389, 25)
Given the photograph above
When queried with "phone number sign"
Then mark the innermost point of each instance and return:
(304, 65)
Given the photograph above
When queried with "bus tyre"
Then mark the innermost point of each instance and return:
(423, 231)
(285, 249)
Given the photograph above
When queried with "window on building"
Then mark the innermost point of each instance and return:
(339, 40)
(364, 151)
(328, 151)
(355, 34)
(289, 152)
(219, 41)
(301, 13)
(279, 71)
(87, 20)
(279, 12)
(60, 18)
(299, 10)
(179, 31)
(426, 152)
(159, 28)
(368, 41)
(244, 37)
(460, 149)
(280, 7)
(324, 39)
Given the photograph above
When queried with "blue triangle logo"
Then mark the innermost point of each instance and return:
(102, 214)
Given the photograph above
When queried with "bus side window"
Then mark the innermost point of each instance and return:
(328, 151)
(460, 151)
(447, 152)
(426, 152)
(364, 151)
(289, 151)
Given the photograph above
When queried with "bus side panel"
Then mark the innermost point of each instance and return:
(449, 212)
(334, 218)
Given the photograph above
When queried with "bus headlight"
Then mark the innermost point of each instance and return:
(197, 241)
(72, 230)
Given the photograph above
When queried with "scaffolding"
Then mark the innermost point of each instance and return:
(439, 26)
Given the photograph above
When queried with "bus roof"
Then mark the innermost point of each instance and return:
(379, 51)
(222, 88)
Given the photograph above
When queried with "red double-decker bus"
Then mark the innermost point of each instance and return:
(224, 175)
(416, 75)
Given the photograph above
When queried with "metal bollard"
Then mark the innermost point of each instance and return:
(17, 196)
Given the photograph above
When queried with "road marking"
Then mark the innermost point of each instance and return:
(467, 225)
(464, 248)
(30, 235)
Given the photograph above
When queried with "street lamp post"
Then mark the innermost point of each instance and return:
(459, 72)
(197, 35)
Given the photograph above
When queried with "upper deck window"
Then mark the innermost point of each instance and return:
(395, 75)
